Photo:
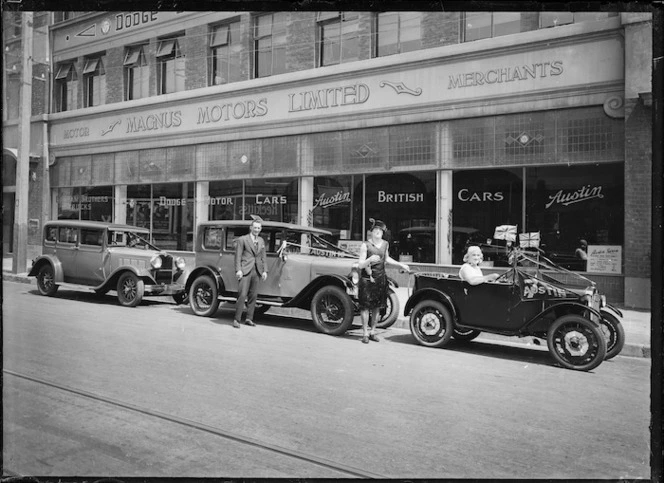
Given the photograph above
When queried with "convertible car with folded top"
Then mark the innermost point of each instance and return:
(535, 297)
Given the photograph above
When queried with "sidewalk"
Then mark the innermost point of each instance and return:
(635, 323)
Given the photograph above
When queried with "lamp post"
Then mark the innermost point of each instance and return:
(20, 257)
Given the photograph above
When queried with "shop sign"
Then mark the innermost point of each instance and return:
(330, 97)
(264, 205)
(232, 110)
(584, 193)
(604, 258)
(466, 195)
(328, 200)
(506, 74)
(384, 197)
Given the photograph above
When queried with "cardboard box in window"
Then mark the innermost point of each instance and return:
(406, 258)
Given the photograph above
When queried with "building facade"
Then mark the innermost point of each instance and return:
(444, 125)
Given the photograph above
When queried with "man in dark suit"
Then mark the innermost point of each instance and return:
(250, 265)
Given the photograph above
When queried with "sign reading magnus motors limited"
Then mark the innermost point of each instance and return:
(359, 92)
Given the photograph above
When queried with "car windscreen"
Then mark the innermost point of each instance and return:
(123, 238)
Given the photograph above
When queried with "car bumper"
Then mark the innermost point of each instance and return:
(171, 289)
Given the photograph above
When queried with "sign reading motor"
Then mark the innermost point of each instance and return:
(134, 19)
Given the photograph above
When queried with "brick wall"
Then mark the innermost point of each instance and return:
(301, 41)
(194, 46)
(638, 190)
(114, 75)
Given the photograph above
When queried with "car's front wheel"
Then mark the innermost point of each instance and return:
(614, 333)
(46, 281)
(431, 323)
(465, 335)
(332, 310)
(391, 313)
(130, 289)
(203, 296)
(576, 343)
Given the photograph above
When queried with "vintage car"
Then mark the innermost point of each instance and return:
(533, 298)
(103, 257)
(305, 270)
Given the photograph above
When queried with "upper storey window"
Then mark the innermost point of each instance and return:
(398, 32)
(137, 74)
(338, 35)
(556, 19)
(270, 44)
(225, 50)
(66, 87)
(94, 78)
(483, 25)
(171, 66)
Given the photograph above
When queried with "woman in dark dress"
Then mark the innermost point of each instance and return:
(374, 254)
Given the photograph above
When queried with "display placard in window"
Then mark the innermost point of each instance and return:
(604, 258)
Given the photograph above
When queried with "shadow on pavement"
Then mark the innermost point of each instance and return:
(93, 298)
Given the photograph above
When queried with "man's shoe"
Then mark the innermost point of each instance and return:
(374, 337)
(236, 324)
(365, 340)
(250, 323)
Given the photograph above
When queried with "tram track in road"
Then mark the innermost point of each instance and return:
(313, 459)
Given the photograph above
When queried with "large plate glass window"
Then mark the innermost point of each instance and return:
(270, 44)
(333, 204)
(338, 37)
(66, 87)
(94, 81)
(225, 50)
(85, 203)
(137, 73)
(274, 199)
(398, 32)
(225, 200)
(171, 64)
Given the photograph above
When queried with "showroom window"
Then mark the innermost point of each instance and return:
(94, 81)
(274, 199)
(333, 206)
(137, 73)
(338, 37)
(225, 50)
(225, 200)
(86, 203)
(398, 32)
(270, 44)
(171, 66)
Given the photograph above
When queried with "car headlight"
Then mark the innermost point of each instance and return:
(156, 262)
(602, 301)
(355, 277)
(180, 263)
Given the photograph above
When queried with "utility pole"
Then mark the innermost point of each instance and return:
(20, 260)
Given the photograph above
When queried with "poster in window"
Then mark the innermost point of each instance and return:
(604, 258)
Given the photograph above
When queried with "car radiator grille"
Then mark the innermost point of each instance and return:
(163, 276)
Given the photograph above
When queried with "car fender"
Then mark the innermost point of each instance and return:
(303, 299)
(205, 270)
(392, 283)
(112, 280)
(574, 305)
(613, 309)
(41, 260)
(433, 294)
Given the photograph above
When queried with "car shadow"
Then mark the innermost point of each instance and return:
(485, 348)
(93, 298)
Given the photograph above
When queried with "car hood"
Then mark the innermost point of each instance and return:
(135, 252)
(324, 265)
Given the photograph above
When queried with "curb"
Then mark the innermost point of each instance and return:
(629, 350)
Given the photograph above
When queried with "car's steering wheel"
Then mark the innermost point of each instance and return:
(503, 276)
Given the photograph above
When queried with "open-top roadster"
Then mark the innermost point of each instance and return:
(535, 297)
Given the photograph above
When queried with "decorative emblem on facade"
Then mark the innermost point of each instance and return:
(524, 139)
(105, 27)
(91, 31)
(365, 150)
(401, 88)
(614, 107)
(110, 128)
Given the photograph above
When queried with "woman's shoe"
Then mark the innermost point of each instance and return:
(365, 340)
(374, 337)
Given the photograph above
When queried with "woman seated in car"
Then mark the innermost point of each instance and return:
(470, 271)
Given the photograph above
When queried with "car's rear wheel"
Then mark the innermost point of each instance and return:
(465, 335)
(391, 313)
(332, 310)
(431, 323)
(614, 333)
(130, 289)
(181, 298)
(576, 343)
(203, 296)
(46, 281)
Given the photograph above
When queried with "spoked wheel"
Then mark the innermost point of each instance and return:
(431, 323)
(332, 310)
(130, 289)
(203, 296)
(614, 333)
(391, 313)
(576, 343)
(46, 281)
(465, 335)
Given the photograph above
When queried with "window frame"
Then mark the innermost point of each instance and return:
(464, 23)
(233, 50)
(174, 59)
(94, 76)
(65, 87)
(399, 48)
(256, 70)
(325, 20)
(132, 67)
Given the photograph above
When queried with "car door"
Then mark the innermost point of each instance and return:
(66, 249)
(487, 305)
(90, 257)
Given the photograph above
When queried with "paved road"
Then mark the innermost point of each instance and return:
(91, 388)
